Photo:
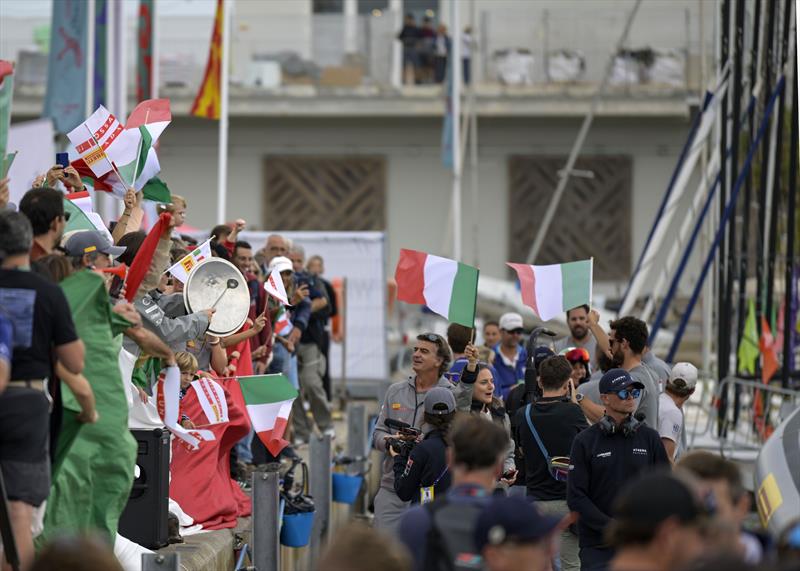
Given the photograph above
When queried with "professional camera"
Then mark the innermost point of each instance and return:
(400, 445)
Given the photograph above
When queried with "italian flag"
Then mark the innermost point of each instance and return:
(447, 287)
(269, 401)
(126, 153)
(556, 288)
(81, 215)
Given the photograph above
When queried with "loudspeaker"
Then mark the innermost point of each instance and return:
(144, 520)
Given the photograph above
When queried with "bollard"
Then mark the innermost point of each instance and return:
(320, 484)
(357, 445)
(266, 527)
(161, 561)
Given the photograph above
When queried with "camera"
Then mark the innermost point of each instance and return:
(402, 447)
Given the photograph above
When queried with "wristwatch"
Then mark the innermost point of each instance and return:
(579, 397)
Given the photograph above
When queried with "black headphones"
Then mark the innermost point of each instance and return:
(628, 427)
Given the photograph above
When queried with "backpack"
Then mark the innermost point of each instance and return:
(450, 541)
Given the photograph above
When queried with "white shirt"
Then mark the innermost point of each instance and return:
(670, 422)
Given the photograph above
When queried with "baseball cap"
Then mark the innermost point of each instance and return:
(511, 519)
(280, 263)
(683, 376)
(439, 401)
(637, 505)
(540, 354)
(89, 241)
(616, 380)
(510, 321)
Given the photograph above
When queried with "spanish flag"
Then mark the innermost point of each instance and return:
(207, 102)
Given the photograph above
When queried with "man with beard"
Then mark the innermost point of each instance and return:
(578, 322)
(627, 342)
(44, 207)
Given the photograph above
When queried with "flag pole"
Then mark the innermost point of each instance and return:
(222, 181)
(455, 102)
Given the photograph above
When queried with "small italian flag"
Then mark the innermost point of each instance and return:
(283, 325)
(447, 287)
(269, 401)
(556, 288)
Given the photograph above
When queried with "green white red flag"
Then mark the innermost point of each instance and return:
(447, 287)
(269, 401)
(114, 157)
(183, 267)
(553, 289)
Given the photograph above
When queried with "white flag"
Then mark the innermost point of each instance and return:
(274, 287)
(185, 265)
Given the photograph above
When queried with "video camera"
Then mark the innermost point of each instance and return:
(402, 446)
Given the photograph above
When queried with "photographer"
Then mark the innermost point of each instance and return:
(604, 458)
(403, 400)
(422, 475)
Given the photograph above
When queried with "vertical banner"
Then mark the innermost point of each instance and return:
(100, 53)
(6, 94)
(65, 101)
(144, 51)
(208, 101)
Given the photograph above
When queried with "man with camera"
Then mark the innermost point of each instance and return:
(404, 403)
(604, 458)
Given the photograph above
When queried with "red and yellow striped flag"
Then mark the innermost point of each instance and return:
(207, 102)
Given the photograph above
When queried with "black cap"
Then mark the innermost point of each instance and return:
(638, 505)
(511, 519)
(616, 380)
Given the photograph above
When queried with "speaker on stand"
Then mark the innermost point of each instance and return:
(144, 520)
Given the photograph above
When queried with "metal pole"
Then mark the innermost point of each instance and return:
(222, 172)
(788, 328)
(723, 352)
(455, 102)
(769, 46)
(266, 527)
(578, 144)
(320, 487)
(473, 148)
(777, 195)
(357, 444)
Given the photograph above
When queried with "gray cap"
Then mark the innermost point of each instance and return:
(90, 241)
(439, 401)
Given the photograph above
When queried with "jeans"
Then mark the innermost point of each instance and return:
(595, 558)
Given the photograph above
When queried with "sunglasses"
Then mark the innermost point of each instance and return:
(517, 331)
(66, 216)
(624, 394)
(432, 337)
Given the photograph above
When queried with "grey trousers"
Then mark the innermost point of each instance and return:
(311, 368)
(389, 510)
(568, 552)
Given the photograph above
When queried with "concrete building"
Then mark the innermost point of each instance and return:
(324, 135)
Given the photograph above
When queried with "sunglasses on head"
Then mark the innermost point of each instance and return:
(432, 337)
(625, 393)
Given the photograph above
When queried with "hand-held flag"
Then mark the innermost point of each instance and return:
(447, 287)
(554, 289)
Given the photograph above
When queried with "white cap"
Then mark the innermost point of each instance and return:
(510, 321)
(686, 373)
(280, 263)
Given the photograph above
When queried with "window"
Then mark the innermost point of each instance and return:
(328, 6)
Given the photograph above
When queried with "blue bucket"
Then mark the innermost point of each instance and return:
(296, 529)
(346, 487)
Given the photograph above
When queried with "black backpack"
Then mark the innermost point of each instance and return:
(451, 544)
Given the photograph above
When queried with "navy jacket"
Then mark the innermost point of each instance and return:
(426, 464)
(600, 467)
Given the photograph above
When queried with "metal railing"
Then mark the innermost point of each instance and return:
(738, 416)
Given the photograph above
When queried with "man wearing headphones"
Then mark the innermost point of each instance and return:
(603, 459)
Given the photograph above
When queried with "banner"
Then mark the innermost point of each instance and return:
(6, 94)
(144, 51)
(65, 100)
(100, 82)
(208, 101)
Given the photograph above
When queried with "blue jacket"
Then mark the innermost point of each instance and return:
(507, 376)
